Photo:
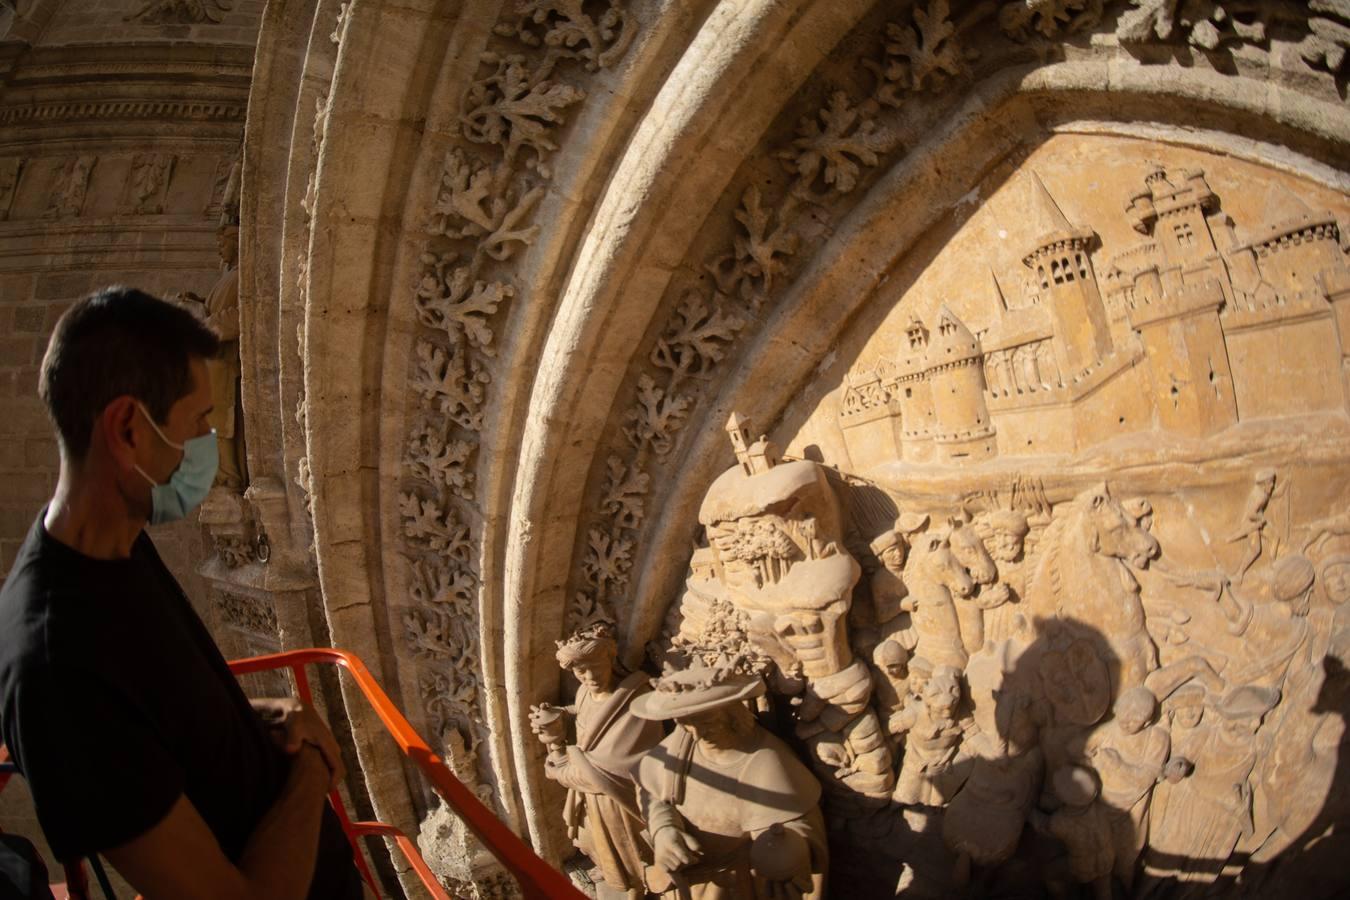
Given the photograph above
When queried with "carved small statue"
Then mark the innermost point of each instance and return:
(1082, 826)
(1008, 529)
(599, 770)
(705, 789)
(1129, 754)
(984, 822)
(1273, 625)
(933, 737)
(1253, 523)
(1209, 812)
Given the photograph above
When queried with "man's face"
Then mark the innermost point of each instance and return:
(1006, 546)
(713, 728)
(893, 558)
(1336, 580)
(594, 673)
(227, 241)
(897, 671)
(1187, 716)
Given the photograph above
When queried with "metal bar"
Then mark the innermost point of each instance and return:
(536, 877)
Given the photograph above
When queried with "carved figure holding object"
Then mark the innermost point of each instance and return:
(1129, 753)
(714, 836)
(599, 770)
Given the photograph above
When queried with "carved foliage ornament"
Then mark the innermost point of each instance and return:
(481, 218)
(186, 12)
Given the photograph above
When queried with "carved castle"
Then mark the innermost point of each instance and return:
(1190, 331)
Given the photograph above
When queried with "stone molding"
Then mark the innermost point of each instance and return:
(483, 436)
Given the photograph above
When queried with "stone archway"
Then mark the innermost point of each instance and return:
(513, 223)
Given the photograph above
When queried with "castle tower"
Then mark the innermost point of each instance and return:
(954, 367)
(1067, 283)
(1295, 245)
(914, 395)
(738, 430)
(1179, 283)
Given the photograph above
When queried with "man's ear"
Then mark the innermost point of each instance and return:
(118, 428)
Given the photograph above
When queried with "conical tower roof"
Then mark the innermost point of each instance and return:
(951, 341)
(1048, 222)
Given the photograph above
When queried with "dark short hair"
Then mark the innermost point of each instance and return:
(114, 342)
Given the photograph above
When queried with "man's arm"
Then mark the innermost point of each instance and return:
(180, 858)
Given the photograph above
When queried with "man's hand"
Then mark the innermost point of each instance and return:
(672, 849)
(295, 724)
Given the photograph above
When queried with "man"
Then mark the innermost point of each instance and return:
(120, 712)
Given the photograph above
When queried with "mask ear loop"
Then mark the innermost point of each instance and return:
(151, 419)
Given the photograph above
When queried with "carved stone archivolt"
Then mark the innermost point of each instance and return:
(998, 527)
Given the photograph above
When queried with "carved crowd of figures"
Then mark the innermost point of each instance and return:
(1030, 672)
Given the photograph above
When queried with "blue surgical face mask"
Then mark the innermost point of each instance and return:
(190, 482)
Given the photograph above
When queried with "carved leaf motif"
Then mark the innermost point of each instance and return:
(451, 694)
(450, 299)
(1050, 18)
(514, 108)
(439, 460)
(586, 609)
(656, 418)
(429, 526)
(187, 12)
(758, 255)
(1327, 46)
(918, 57)
(435, 583)
(453, 381)
(608, 559)
(696, 337)
(623, 495)
(434, 633)
(568, 31)
(466, 208)
(838, 140)
(1206, 24)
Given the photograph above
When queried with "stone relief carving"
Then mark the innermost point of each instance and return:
(480, 219)
(601, 812)
(72, 185)
(1114, 646)
(11, 168)
(250, 613)
(731, 811)
(147, 183)
(188, 12)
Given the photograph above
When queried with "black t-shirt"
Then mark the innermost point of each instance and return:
(114, 700)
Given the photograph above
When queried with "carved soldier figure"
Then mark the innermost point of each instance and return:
(1129, 754)
(706, 789)
(1006, 543)
(891, 548)
(984, 822)
(1253, 522)
(599, 770)
(1274, 625)
(933, 739)
(1081, 824)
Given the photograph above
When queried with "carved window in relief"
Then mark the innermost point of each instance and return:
(1081, 262)
(1185, 237)
(1045, 282)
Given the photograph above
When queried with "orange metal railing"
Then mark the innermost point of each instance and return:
(537, 878)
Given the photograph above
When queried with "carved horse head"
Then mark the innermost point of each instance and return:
(968, 548)
(1110, 531)
(932, 561)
